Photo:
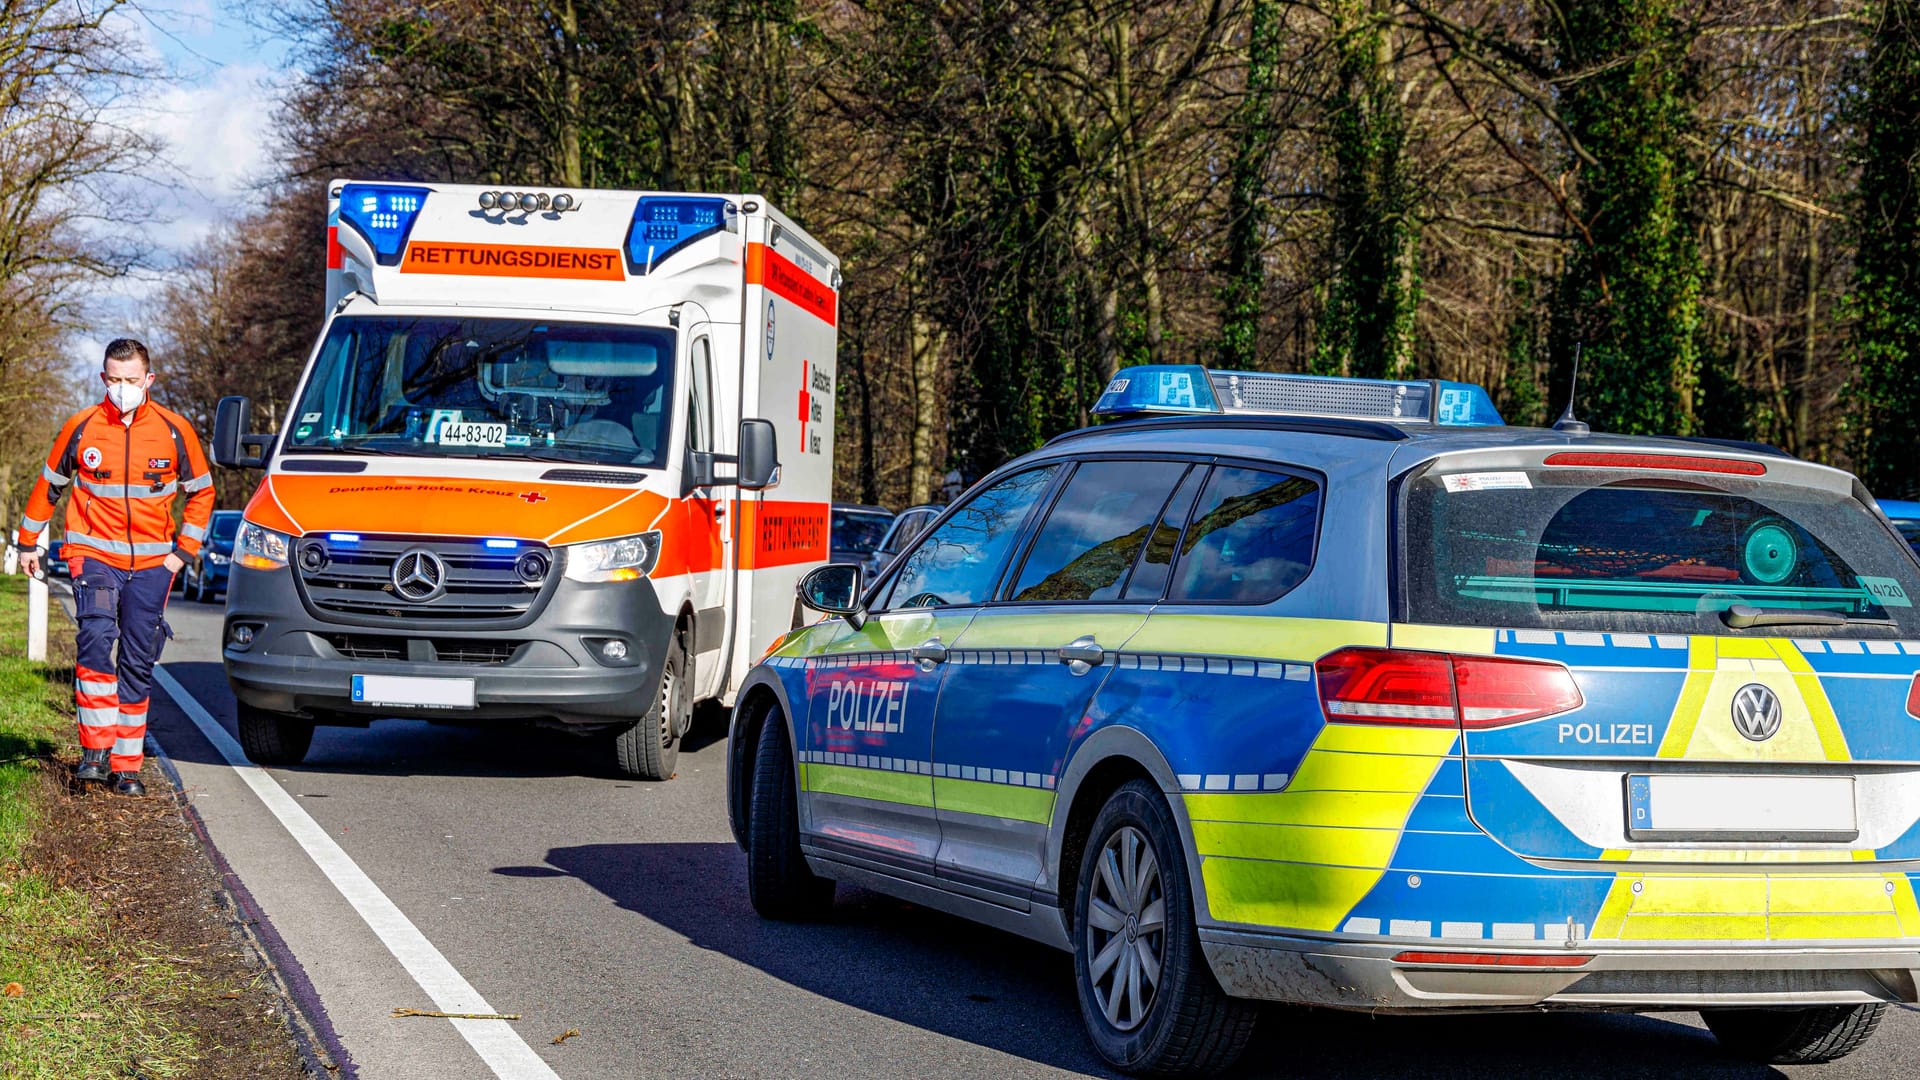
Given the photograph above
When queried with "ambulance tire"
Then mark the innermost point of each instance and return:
(650, 749)
(1794, 1036)
(779, 882)
(1188, 1026)
(271, 739)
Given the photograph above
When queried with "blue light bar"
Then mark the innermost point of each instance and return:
(1158, 389)
(1162, 389)
(383, 215)
(663, 224)
(343, 538)
(503, 545)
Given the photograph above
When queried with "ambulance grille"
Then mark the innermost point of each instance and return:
(592, 476)
(353, 582)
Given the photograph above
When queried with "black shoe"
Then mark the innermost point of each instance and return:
(128, 783)
(93, 766)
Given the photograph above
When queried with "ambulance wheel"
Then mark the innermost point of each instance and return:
(271, 739)
(1148, 999)
(779, 882)
(1794, 1036)
(650, 749)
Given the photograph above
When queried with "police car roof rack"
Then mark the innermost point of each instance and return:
(1192, 390)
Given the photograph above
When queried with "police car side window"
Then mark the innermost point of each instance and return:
(1095, 529)
(1149, 578)
(1251, 538)
(959, 562)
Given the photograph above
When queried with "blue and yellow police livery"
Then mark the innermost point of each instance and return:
(1338, 692)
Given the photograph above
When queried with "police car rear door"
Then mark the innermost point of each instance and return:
(1022, 674)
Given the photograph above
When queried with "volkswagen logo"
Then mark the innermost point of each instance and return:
(1756, 712)
(419, 575)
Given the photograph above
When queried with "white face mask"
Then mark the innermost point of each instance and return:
(126, 397)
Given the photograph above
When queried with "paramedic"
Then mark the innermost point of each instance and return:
(127, 458)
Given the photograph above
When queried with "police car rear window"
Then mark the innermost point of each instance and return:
(1576, 549)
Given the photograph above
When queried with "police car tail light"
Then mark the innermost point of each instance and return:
(1505, 960)
(1422, 689)
(1498, 690)
(1913, 698)
(1387, 686)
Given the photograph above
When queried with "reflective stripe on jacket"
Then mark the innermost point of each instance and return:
(124, 479)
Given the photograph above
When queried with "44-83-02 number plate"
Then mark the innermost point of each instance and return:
(413, 692)
(1709, 807)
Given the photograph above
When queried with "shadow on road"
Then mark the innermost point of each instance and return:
(999, 991)
(418, 748)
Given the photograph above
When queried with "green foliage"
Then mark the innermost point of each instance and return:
(1247, 211)
(1630, 294)
(1886, 291)
(1367, 327)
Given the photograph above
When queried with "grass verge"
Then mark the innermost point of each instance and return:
(101, 898)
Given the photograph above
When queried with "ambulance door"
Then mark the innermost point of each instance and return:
(709, 533)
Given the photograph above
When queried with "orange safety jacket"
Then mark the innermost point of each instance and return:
(125, 477)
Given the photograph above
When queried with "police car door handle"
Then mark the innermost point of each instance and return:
(929, 653)
(1082, 654)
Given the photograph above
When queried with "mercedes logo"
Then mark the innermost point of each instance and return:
(419, 575)
(1756, 712)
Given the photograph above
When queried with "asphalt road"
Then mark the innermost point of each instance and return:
(618, 909)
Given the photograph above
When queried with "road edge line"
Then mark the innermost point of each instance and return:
(311, 1027)
(499, 1046)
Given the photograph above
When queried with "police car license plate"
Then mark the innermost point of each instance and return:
(413, 692)
(1697, 806)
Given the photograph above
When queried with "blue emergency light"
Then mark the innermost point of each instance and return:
(663, 224)
(383, 214)
(1188, 389)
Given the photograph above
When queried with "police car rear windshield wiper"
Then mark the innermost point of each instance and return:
(1743, 616)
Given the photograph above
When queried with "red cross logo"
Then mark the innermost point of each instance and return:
(806, 402)
(533, 496)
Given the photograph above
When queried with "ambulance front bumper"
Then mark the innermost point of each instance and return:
(1446, 976)
(555, 669)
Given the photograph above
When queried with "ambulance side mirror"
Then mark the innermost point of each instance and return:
(233, 447)
(759, 455)
(834, 589)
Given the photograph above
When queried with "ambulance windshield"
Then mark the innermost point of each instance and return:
(451, 387)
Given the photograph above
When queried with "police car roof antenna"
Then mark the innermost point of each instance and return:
(1567, 425)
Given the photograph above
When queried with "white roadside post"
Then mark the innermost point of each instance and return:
(36, 607)
(37, 617)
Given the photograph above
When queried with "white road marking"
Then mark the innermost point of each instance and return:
(495, 1041)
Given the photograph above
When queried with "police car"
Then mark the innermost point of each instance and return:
(1340, 693)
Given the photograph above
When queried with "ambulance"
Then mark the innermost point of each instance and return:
(558, 456)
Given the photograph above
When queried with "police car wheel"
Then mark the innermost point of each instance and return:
(1148, 999)
(650, 749)
(271, 739)
(779, 882)
(1794, 1036)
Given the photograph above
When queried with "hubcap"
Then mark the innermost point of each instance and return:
(668, 699)
(1126, 929)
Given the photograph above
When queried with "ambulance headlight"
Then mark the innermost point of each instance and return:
(629, 558)
(261, 549)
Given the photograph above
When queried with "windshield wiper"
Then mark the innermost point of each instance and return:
(1742, 616)
(558, 459)
(368, 451)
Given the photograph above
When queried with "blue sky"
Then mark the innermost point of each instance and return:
(214, 116)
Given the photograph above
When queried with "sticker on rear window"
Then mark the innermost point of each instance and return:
(1885, 591)
(1486, 481)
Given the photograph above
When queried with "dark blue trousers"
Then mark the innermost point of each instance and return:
(128, 608)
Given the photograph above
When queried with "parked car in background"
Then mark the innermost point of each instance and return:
(56, 565)
(206, 576)
(1905, 516)
(908, 524)
(856, 531)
